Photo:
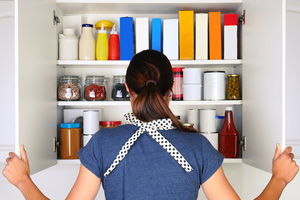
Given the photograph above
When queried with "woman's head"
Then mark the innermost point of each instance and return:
(149, 78)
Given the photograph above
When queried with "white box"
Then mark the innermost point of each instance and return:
(141, 34)
(230, 42)
(201, 36)
(170, 38)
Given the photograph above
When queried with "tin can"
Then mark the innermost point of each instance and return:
(214, 85)
(177, 94)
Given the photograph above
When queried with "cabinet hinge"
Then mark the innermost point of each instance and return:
(242, 18)
(55, 144)
(56, 19)
(243, 143)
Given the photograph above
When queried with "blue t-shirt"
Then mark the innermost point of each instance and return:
(148, 171)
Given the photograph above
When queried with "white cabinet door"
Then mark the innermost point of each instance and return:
(263, 105)
(36, 81)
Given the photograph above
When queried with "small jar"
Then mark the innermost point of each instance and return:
(233, 87)
(119, 92)
(109, 124)
(95, 88)
(177, 94)
(69, 88)
(70, 140)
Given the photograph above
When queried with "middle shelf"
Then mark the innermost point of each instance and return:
(127, 103)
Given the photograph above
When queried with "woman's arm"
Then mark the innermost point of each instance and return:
(218, 187)
(86, 186)
(284, 169)
(18, 173)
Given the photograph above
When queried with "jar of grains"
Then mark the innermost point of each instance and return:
(95, 88)
(233, 87)
(119, 92)
(69, 88)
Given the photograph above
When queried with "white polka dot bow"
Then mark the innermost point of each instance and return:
(151, 128)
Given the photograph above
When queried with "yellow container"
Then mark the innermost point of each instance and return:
(102, 45)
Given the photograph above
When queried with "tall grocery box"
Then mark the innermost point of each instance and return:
(141, 34)
(201, 36)
(186, 35)
(170, 38)
(230, 36)
(126, 38)
(215, 40)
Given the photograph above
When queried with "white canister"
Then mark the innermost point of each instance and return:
(86, 139)
(192, 92)
(219, 123)
(207, 120)
(214, 85)
(213, 138)
(193, 117)
(90, 121)
(68, 45)
(192, 76)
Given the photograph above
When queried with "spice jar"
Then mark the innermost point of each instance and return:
(233, 87)
(177, 87)
(119, 92)
(69, 88)
(95, 88)
(70, 140)
(109, 124)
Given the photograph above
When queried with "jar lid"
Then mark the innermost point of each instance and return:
(70, 125)
(214, 72)
(178, 69)
(220, 117)
(87, 25)
(234, 75)
(110, 123)
(70, 77)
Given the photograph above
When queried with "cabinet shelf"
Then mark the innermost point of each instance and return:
(125, 63)
(127, 103)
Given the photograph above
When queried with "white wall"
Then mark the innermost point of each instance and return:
(6, 78)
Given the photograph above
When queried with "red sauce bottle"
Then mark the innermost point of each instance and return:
(114, 45)
(229, 137)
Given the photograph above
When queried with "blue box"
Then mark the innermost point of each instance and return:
(156, 34)
(126, 38)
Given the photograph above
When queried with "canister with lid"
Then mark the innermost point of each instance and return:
(95, 88)
(119, 92)
(214, 85)
(69, 88)
(109, 124)
(70, 140)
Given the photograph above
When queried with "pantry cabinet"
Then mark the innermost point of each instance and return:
(260, 115)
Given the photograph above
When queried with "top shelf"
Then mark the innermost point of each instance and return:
(125, 63)
(144, 6)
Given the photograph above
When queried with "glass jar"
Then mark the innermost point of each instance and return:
(233, 87)
(69, 88)
(109, 124)
(119, 92)
(177, 94)
(70, 137)
(95, 88)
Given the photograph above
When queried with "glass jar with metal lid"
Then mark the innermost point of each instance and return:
(233, 87)
(95, 88)
(69, 88)
(119, 92)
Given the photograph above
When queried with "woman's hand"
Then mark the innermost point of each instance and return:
(284, 166)
(17, 169)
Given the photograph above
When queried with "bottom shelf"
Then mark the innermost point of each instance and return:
(76, 161)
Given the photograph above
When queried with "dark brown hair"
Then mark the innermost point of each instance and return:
(150, 76)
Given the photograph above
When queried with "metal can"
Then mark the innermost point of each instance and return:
(177, 94)
(214, 85)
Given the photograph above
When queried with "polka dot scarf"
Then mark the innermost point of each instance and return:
(152, 128)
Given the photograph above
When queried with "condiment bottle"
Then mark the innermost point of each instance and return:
(87, 43)
(228, 136)
(68, 45)
(177, 87)
(102, 44)
(114, 45)
(70, 140)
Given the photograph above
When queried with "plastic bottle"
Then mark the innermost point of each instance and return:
(228, 137)
(68, 45)
(87, 44)
(114, 45)
(102, 45)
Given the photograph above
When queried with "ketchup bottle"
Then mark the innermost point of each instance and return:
(114, 45)
(228, 137)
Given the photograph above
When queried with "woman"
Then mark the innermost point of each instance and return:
(153, 156)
